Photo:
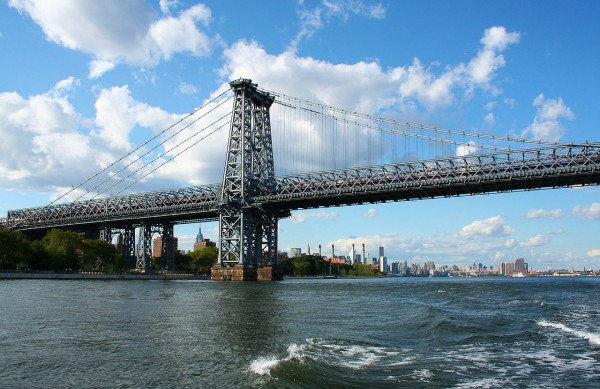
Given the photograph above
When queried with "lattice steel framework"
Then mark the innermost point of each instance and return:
(144, 248)
(248, 232)
(167, 251)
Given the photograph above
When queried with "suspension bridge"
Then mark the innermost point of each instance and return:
(282, 154)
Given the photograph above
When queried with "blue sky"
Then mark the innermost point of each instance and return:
(82, 83)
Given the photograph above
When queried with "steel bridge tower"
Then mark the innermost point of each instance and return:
(248, 230)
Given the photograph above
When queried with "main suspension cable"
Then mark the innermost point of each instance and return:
(162, 155)
(172, 158)
(112, 175)
(137, 148)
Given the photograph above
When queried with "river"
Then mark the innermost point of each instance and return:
(305, 333)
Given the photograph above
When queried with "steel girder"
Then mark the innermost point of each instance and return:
(246, 231)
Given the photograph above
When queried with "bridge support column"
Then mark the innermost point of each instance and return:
(248, 232)
(128, 247)
(167, 251)
(144, 248)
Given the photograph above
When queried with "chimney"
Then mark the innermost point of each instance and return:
(364, 259)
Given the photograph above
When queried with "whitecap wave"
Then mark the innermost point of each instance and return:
(589, 336)
(335, 352)
(263, 365)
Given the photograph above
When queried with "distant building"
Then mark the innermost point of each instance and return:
(339, 260)
(402, 267)
(509, 269)
(521, 266)
(158, 244)
(381, 254)
(295, 252)
(383, 267)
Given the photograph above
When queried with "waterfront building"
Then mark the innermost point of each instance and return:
(394, 267)
(381, 254)
(295, 252)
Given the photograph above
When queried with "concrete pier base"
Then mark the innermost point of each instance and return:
(245, 273)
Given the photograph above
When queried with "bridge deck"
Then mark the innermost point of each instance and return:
(560, 166)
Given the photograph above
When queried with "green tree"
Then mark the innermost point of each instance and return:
(301, 268)
(14, 248)
(98, 255)
(65, 249)
(202, 260)
(39, 258)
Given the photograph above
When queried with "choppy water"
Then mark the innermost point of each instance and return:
(402, 332)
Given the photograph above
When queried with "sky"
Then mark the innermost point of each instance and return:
(83, 83)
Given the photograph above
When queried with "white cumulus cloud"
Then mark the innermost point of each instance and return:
(588, 211)
(547, 124)
(115, 31)
(372, 89)
(493, 226)
(594, 253)
(538, 240)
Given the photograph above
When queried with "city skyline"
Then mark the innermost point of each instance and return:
(76, 96)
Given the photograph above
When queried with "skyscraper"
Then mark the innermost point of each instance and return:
(199, 237)
(202, 243)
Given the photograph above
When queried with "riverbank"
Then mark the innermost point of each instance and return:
(99, 276)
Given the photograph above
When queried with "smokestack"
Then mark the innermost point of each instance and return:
(320, 251)
(364, 259)
(332, 251)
